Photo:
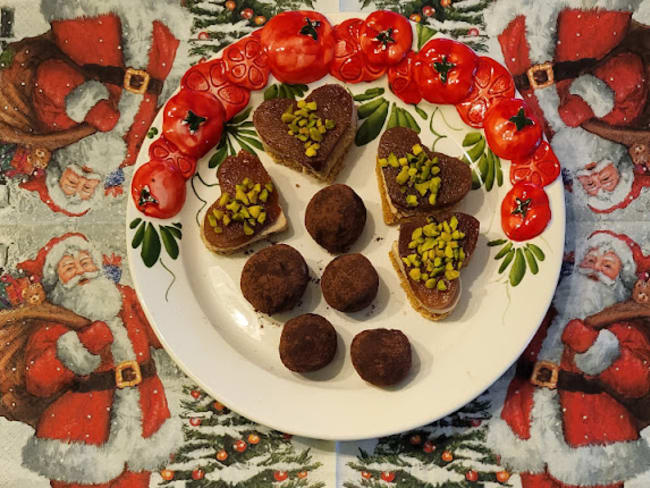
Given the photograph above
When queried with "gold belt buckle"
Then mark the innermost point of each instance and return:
(120, 382)
(136, 75)
(545, 374)
(546, 68)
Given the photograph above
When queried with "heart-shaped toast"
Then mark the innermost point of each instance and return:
(429, 257)
(310, 135)
(248, 208)
(416, 181)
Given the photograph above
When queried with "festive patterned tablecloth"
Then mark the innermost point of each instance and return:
(515, 434)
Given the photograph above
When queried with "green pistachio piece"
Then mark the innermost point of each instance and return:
(411, 200)
(217, 230)
(226, 220)
(315, 135)
(211, 220)
(241, 197)
(415, 273)
(247, 230)
(233, 206)
(218, 214)
(261, 218)
(255, 210)
(264, 195)
(287, 117)
(402, 176)
(223, 201)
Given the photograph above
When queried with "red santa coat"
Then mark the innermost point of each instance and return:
(90, 437)
(112, 34)
(532, 32)
(580, 439)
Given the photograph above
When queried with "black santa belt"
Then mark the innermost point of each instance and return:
(549, 375)
(543, 75)
(124, 375)
(134, 80)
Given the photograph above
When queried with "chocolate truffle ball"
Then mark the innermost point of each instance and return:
(274, 279)
(335, 217)
(349, 283)
(381, 356)
(307, 343)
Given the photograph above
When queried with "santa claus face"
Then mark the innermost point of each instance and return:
(599, 176)
(77, 184)
(606, 264)
(83, 289)
(595, 285)
(73, 266)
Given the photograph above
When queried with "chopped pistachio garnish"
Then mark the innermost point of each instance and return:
(418, 175)
(306, 126)
(437, 255)
(244, 207)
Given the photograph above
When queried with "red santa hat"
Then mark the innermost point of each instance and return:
(577, 148)
(38, 183)
(44, 266)
(628, 251)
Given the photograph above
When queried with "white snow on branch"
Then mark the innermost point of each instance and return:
(465, 4)
(448, 24)
(240, 472)
(211, 6)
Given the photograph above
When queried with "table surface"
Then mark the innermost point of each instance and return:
(216, 446)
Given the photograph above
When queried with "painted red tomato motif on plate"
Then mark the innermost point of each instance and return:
(385, 38)
(525, 212)
(350, 65)
(246, 63)
(299, 45)
(511, 129)
(210, 77)
(193, 122)
(492, 82)
(542, 168)
(165, 151)
(401, 79)
(158, 190)
(444, 71)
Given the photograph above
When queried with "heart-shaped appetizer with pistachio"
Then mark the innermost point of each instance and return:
(429, 256)
(248, 208)
(416, 181)
(311, 135)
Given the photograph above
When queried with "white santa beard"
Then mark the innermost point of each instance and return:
(101, 152)
(97, 299)
(71, 203)
(604, 200)
(578, 296)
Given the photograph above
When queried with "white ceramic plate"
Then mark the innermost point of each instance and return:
(217, 339)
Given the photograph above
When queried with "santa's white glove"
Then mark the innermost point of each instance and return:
(89, 102)
(79, 351)
(600, 356)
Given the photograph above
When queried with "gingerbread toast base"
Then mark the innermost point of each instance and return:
(281, 222)
(415, 303)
